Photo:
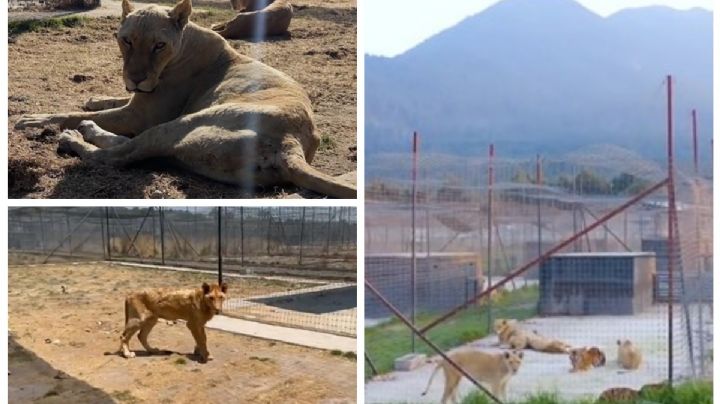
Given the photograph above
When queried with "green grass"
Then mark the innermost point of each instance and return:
(326, 143)
(699, 392)
(180, 361)
(386, 342)
(22, 26)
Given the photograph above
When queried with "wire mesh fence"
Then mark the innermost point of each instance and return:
(311, 250)
(578, 246)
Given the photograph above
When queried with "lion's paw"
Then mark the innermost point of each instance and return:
(66, 140)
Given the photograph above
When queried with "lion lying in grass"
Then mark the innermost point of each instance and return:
(196, 306)
(196, 100)
(257, 19)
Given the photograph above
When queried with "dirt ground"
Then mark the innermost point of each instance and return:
(58, 343)
(57, 70)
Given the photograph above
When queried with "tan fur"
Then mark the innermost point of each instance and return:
(199, 102)
(257, 19)
(195, 306)
(493, 369)
(629, 356)
(583, 359)
(509, 333)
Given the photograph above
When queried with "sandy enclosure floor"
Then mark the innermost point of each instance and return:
(58, 341)
(57, 70)
(541, 372)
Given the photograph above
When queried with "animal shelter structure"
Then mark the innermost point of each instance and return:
(596, 283)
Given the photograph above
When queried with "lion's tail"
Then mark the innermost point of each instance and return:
(432, 376)
(302, 174)
(126, 311)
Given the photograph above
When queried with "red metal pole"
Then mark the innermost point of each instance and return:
(491, 155)
(538, 184)
(671, 226)
(413, 260)
(548, 253)
(694, 141)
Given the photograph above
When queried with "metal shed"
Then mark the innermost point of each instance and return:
(596, 283)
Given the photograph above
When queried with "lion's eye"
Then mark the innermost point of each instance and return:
(159, 46)
(127, 41)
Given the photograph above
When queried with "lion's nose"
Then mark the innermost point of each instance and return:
(137, 78)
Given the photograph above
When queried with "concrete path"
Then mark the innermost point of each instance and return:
(293, 336)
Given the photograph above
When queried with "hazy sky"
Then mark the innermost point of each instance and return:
(386, 34)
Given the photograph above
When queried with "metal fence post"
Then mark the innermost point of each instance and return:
(219, 243)
(302, 231)
(107, 231)
(491, 154)
(413, 258)
(162, 235)
(242, 237)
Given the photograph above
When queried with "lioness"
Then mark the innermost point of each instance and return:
(257, 19)
(198, 101)
(629, 355)
(196, 306)
(494, 369)
(510, 333)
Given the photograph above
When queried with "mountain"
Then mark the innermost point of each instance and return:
(544, 76)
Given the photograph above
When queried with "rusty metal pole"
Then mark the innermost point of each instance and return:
(491, 154)
(413, 258)
(671, 227)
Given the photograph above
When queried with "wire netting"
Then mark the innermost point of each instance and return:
(312, 249)
(476, 222)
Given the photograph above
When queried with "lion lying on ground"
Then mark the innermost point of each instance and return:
(510, 333)
(216, 112)
(196, 306)
(257, 19)
(584, 358)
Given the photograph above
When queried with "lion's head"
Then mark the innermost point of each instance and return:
(214, 297)
(149, 38)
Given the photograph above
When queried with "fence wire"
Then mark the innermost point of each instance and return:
(477, 220)
(312, 249)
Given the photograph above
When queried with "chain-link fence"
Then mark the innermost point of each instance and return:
(573, 248)
(313, 249)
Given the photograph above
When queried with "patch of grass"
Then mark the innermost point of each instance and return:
(180, 361)
(388, 341)
(697, 392)
(326, 143)
(350, 355)
(21, 26)
(256, 358)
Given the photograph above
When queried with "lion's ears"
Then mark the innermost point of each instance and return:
(224, 287)
(205, 288)
(127, 8)
(181, 13)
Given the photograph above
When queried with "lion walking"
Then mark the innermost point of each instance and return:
(195, 306)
